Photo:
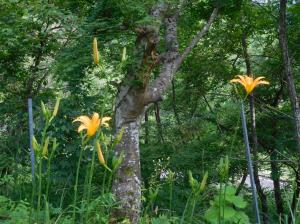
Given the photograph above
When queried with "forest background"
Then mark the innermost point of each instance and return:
(187, 139)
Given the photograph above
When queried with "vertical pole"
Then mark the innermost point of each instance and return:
(250, 167)
(32, 157)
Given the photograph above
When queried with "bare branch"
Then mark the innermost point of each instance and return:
(199, 36)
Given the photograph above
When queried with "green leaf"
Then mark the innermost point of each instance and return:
(241, 218)
(237, 201)
(212, 214)
(228, 213)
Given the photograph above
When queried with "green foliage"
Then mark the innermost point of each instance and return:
(13, 212)
(227, 207)
(99, 208)
(164, 219)
(46, 52)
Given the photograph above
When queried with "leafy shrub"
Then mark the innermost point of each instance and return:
(13, 212)
(228, 207)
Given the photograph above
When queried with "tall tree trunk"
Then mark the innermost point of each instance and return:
(275, 175)
(275, 169)
(127, 182)
(291, 85)
(261, 194)
(158, 123)
(131, 102)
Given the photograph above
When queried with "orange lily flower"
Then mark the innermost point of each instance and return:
(92, 125)
(248, 82)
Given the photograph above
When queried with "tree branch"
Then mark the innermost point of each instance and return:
(199, 36)
(172, 58)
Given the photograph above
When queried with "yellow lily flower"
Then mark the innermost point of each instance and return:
(92, 125)
(248, 82)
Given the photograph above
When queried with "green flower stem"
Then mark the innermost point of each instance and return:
(223, 215)
(90, 181)
(49, 172)
(48, 178)
(193, 209)
(220, 207)
(40, 167)
(106, 167)
(39, 188)
(76, 183)
(109, 178)
(83, 202)
(185, 209)
(32, 202)
(104, 181)
(171, 197)
(195, 200)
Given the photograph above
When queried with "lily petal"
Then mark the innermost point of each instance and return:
(264, 82)
(235, 80)
(242, 82)
(95, 116)
(81, 128)
(105, 119)
(83, 119)
(96, 120)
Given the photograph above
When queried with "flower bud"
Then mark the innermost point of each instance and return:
(226, 165)
(45, 111)
(203, 182)
(95, 51)
(100, 155)
(56, 107)
(45, 148)
(35, 144)
(124, 54)
(119, 137)
(43, 108)
(117, 161)
(193, 183)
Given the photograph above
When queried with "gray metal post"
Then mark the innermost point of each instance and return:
(250, 167)
(32, 157)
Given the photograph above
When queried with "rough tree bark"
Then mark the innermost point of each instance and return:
(254, 142)
(291, 88)
(132, 100)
